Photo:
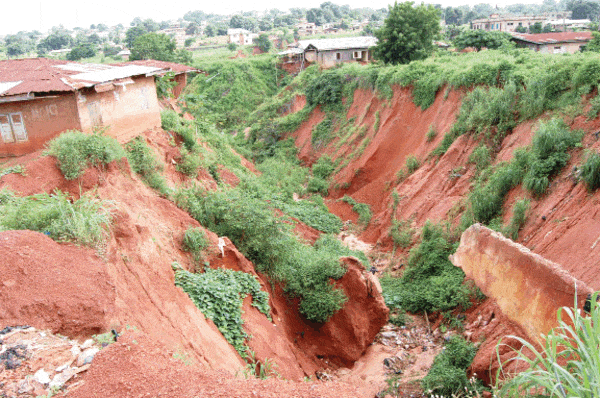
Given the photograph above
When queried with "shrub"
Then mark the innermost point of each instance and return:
(319, 185)
(487, 199)
(169, 120)
(566, 365)
(549, 154)
(448, 374)
(412, 164)
(84, 221)
(322, 133)
(219, 294)
(189, 163)
(323, 167)
(481, 157)
(430, 282)
(195, 241)
(401, 233)
(590, 171)
(363, 209)
(325, 89)
(518, 219)
(143, 162)
(431, 133)
(75, 150)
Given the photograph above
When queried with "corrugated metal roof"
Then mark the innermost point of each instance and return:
(42, 75)
(293, 50)
(339, 44)
(171, 66)
(557, 37)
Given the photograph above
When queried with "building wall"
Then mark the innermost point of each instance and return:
(126, 111)
(328, 59)
(560, 48)
(181, 80)
(44, 119)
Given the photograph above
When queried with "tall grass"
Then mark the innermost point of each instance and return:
(84, 221)
(590, 171)
(566, 365)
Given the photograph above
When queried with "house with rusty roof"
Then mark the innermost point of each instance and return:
(330, 52)
(553, 43)
(180, 72)
(41, 98)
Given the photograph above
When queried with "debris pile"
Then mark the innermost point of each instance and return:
(37, 363)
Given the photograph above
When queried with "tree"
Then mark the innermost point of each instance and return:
(584, 9)
(536, 28)
(407, 33)
(263, 42)
(210, 30)
(594, 44)
(56, 41)
(479, 39)
(84, 50)
(153, 46)
(132, 34)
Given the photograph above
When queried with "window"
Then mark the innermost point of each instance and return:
(357, 54)
(13, 127)
(338, 56)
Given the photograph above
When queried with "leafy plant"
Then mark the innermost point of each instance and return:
(412, 164)
(481, 157)
(567, 365)
(401, 233)
(448, 375)
(219, 294)
(431, 133)
(518, 219)
(189, 163)
(169, 120)
(322, 133)
(325, 89)
(143, 162)
(363, 209)
(18, 169)
(75, 151)
(323, 167)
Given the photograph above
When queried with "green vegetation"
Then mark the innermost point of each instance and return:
(567, 365)
(448, 375)
(219, 294)
(481, 156)
(143, 161)
(189, 163)
(431, 133)
(412, 164)
(407, 33)
(430, 282)
(478, 38)
(75, 151)
(84, 221)
(590, 171)
(322, 133)
(325, 89)
(363, 209)
(401, 233)
(18, 169)
(518, 219)
(195, 242)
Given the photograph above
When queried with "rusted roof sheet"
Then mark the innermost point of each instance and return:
(41, 75)
(171, 66)
(557, 37)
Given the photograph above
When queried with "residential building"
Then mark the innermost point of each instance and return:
(41, 98)
(242, 37)
(553, 43)
(566, 25)
(307, 28)
(498, 23)
(179, 71)
(330, 52)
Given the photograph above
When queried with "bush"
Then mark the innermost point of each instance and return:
(169, 120)
(84, 221)
(481, 157)
(195, 241)
(325, 89)
(412, 164)
(448, 374)
(401, 233)
(318, 185)
(590, 171)
(363, 209)
(322, 133)
(143, 162)
(430, 282)
(189, 163)
(518, 219)
(549, 149)
(75, 151)
(487, 199)
(431, 133)
(323, 168)
(566, 365)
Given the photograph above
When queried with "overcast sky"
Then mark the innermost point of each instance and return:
(41, 15)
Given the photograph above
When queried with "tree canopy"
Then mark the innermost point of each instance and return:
(478, 39)
(407, 33)
(160, 47)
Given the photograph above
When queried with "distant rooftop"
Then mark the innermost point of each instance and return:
(556, 37)
(339, 44)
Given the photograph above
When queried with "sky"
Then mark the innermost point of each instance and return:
(41, 15)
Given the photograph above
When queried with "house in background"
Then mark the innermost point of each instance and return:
(241, 37)
(41, 98)
(330, 52)
(554, 43)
